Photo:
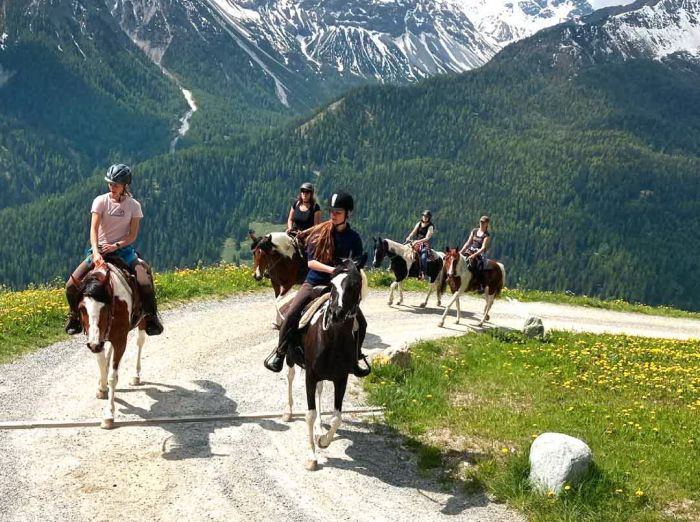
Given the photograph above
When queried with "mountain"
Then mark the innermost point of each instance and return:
(587, 162)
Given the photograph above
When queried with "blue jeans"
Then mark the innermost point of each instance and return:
(424, 260)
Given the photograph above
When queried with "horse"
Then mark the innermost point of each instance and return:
(330, 350)
(109, 309)
(404, 263)
(492, 278)
(275, 256)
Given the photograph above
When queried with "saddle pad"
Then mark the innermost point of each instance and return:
(312, 308)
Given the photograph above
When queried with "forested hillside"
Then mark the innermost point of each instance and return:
(587, 165)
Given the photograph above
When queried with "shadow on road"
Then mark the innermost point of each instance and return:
(190, 440)
(380, 452)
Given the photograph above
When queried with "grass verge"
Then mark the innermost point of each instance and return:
(472, 405)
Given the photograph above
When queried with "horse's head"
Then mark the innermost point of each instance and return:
(268, 251)
(452, 259)
(262, 248)
(347, 288)
(381, 249)
(94, 307)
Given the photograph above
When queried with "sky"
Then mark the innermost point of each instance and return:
(597, 4)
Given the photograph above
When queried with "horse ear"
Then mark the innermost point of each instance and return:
(360, 261)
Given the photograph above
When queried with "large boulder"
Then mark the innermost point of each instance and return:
(400, 356)
(556, 460)
(533, 327)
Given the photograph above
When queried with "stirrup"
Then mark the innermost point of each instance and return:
(73, 325)
(361, 372)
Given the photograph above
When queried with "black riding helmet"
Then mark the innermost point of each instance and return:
(307, 186)
(341, 201)
(119, 173)
(427, 213)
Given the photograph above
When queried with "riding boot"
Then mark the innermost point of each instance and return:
(277, 362)
(73, 325)
(148, 303)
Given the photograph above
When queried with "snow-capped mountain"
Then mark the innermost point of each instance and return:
(646, 29)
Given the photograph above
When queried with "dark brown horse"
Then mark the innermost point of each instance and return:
(492, 278)
(109, 309)
(275, 256)
(330, 351)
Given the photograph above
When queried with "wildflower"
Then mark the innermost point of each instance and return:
(639, 493)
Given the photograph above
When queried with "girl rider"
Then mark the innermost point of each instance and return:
(325, 245)
(305, 212)
(422, 233)
(116, 217)
(477, 244)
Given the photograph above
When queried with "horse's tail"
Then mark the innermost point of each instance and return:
(503, 274)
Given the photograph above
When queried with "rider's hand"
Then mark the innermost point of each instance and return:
(289, 230)
(97, 258)
(108, 248)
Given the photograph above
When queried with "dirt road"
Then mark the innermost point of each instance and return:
(210, 362)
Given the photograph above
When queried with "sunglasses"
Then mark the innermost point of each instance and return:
(304, 191)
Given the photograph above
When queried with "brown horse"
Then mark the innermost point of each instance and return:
(492, 278)
(109, 309)
(275, 256)
(330, 351)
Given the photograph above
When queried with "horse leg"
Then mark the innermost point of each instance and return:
(459, 311)
(392, 287)
(287, 416)
(455, 298)
(339, 391)
(430, 291)
(278, 315)
(319, 391)
(311, 462)
(400, 294)
(102, 362)
(489, 302)
(140, 340)
(119, 346)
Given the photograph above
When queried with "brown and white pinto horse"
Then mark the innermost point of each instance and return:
(492, 278)
(109, 309)
(330, 351)
(276, 257)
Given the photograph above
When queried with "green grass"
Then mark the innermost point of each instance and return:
(481, 399)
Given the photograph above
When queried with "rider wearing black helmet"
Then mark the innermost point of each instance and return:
(305, 212)
(421, 234)
(326, 244)
(116, 217)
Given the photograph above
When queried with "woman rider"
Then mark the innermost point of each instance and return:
(325, 245)
(477, 244)
(116, 216)
(422, 233)
(305, 212)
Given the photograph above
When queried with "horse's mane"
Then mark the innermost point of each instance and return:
(94, 288)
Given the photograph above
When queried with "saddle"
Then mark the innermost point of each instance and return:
(311, 309)
(432, 256)
(129, 277)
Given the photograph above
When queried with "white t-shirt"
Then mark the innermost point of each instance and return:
(116, 217)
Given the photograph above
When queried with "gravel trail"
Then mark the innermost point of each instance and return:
(209, 362)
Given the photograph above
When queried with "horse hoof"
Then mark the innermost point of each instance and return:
(441, 324)
(286, 417)
(321, 442)
(135, 381)
(487, 318)
(101, 394)
(311, 465)
(390, 303)
(107, 424)
(422, 305)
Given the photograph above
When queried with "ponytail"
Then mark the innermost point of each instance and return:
(320, 239)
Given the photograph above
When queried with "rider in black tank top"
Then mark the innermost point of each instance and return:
(421, 234)
(299, 219)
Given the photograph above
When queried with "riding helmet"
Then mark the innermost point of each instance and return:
(427, 213)
(307, 186)
(119, 173)
(341, 201)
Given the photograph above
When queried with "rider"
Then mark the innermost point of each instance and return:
(476, 245)
(116, 216)
(422, 233)
(305, 212)
(325, 245)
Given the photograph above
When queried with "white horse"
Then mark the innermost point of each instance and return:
(403, 265)
(456, 266)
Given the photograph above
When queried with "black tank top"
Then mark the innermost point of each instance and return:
(478, 241)
(423, 229)
(301, 220)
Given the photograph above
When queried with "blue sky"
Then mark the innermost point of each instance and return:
(597, 4)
